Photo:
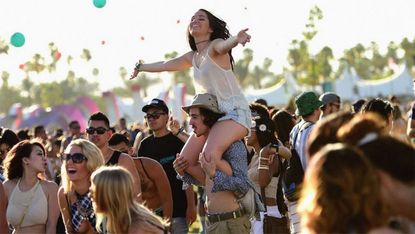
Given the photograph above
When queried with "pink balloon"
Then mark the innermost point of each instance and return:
(57, 55)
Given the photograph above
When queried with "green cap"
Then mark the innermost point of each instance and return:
(306, 103)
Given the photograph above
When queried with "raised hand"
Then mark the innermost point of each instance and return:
(267, 154)
(134, 74)
(243, 37)
(174, 125)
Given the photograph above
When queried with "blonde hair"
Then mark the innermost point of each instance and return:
(112, 192)
(341, 193)
(94, 160)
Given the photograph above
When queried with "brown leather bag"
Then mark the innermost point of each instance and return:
(271, 224)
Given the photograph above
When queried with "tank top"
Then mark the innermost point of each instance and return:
(210, 78)
(27, 208)
(253, 174)
(114, 158)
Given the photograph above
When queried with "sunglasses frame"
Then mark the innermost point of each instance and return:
(98, 130)
(80, 157)
(155, 115)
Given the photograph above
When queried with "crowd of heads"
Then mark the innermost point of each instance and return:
(355, 163)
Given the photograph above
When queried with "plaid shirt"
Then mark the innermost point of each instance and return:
(82, 210)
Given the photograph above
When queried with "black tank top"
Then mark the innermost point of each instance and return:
(114, 158)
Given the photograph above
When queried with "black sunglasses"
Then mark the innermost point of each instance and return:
(76, 157)
(154, 115)
(99, 130)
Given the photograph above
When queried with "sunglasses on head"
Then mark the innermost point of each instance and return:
(154, 115)
(76, 157)
(99, 130)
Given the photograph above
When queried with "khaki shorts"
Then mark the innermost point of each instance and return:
(239, 225)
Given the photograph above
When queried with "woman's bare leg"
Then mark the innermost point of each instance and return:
(192, 149)
(221, 136)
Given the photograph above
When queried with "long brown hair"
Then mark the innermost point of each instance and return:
(341, 193)
(220, 30)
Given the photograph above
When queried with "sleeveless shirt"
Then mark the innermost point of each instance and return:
(32, 202)
(210, 78)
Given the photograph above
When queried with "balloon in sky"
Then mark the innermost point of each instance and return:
(17, 39)
(99, 3)
(57, 55)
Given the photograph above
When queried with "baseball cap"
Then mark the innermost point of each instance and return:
(205, 100)
(329, 97)
(156, 103)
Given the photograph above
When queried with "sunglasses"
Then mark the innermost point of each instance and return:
(76, 157)
(154, 115)
(99, 130)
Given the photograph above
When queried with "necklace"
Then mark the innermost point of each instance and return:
(199, 42)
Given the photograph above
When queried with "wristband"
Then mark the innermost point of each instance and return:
(263, 167)
(180, 130)
(138, 65)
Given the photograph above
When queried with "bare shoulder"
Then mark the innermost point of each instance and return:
(61, 192)
(125, 159)
(189, 56)
(49, 187)
(149, 162)
(9, 185)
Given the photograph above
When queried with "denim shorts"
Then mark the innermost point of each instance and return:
(241, 116)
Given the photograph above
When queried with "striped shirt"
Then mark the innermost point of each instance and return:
(301, 142)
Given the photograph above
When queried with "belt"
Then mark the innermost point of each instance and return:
(213, 218)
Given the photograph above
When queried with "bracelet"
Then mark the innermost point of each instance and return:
(263, 167)
(180, 130)
(138, 65)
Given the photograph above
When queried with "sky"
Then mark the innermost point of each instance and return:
(137, 29)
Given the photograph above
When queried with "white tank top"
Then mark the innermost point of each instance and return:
(210, 78)
(27, 208)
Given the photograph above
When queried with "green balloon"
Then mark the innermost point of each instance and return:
(17, 39)
(99, 3)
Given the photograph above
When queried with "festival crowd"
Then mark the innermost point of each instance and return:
(321, 166)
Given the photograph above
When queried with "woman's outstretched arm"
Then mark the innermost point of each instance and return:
(177, 64)
(223, 46)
